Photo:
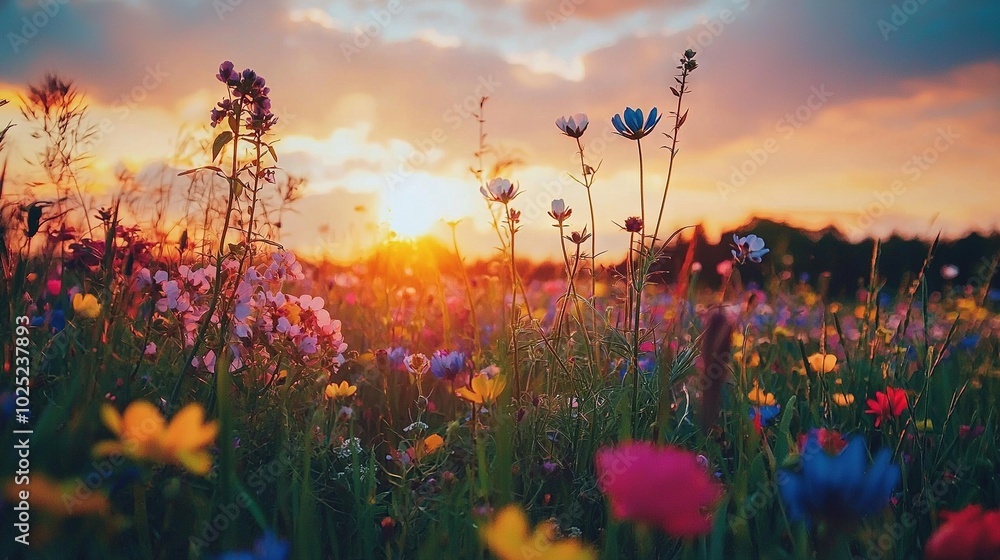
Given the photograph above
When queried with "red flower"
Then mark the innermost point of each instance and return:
(970, 534)
(887, 405)
(831, 441)
(664, 486)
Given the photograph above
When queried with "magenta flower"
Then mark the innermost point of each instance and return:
(662, 486)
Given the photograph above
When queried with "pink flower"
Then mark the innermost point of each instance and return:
(663, 486)
(54, 286)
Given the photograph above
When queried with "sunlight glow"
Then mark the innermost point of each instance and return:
(414, 209)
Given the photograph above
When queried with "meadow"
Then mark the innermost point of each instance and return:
(199, 391)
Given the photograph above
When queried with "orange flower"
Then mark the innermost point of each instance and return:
(144, 434)
(334, 391)
(59, 498)
(759, 397)
(823, 363)
(843, 399)
(509, 537)
(483, 389)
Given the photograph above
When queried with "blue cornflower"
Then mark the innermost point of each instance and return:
(750, 247)
(446, 365)
(633, 126)
(268, 547)
(837, 488)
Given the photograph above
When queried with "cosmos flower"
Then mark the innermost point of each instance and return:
(144, 434)
(633, 224)
(750, 248)
(633, 127)
(86, 305)
(559, 211)
(509, 537)
(663, 486)
(499, 190)
(970, 534)
(345, 389)
(840, 489)
(887, 405)
(574, 126)
(483, 388)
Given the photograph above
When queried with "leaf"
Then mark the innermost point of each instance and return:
(270, 150)
(681, 120)
(674, 91)
(233, 125)
(236, 186)
(220, 142)
(190, 171)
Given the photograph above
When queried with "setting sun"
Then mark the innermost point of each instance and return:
(414, 209)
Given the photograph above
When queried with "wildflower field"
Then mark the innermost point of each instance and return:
(200, 391)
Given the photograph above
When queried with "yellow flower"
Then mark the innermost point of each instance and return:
(823, 363)
(334, 391)
(758, 397)
(144, 434)
(843, 399)
(783, 331)
(86, 306)
(61, 499)
(509, 538)
(752, 361)
(925, 425)
(484, 389)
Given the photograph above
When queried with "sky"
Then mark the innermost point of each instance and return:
(875, 117)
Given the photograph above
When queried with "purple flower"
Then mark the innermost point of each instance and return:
(227, 75)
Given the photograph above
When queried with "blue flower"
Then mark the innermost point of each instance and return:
(633, 127)
(767, 413)
(395, 357)
(837, 488)
(446, 365)
(54, 318)
(268, 547)
(750, 247)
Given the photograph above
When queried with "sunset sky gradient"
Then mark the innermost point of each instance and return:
(871, 116)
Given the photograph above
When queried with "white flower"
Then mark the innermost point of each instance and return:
(574, 126)
(499, 190)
